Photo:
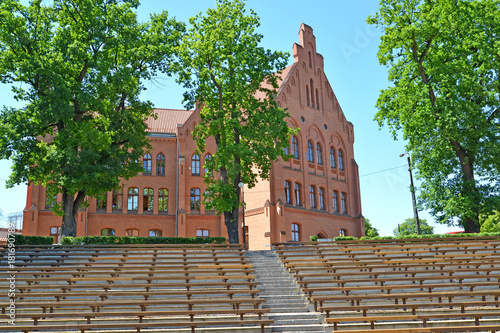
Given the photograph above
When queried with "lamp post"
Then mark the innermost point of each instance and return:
(241, 185)
(412, 190)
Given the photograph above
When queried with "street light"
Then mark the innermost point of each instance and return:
(412, 190)
(241, 185)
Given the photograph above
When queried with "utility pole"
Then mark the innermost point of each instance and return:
(413, 197)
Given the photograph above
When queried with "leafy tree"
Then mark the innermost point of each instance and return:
(78, 65)
(490, 223)
(370, 231)
(408, 227)
(233, 81)
(444, 66)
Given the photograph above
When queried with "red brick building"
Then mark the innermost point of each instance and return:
(315, 193)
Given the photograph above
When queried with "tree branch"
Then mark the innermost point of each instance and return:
(494, 115)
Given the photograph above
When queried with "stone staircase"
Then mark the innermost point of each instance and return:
(287, 303)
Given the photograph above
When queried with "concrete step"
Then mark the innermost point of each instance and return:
(297, 328)
(283, 296)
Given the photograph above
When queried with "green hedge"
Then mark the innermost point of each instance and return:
(104, 240)
(482, 234)
(33, 240)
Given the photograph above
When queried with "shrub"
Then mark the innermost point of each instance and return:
(105, 240)
(33, 240)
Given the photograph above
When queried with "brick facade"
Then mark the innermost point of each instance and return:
(271, 215)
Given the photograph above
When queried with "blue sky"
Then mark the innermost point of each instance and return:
(349, 47)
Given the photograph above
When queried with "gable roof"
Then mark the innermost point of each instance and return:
(167, 120)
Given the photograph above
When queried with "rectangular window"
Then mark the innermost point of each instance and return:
(133, 198)
(343, 203)
(117, 200)
(335, 204)
(312, 196)
(297, 194)
(288, 198)
(147, 201)
(321, 198)
(202, 233)
(163, 200)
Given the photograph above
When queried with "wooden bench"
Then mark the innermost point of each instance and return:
(91, 287)
(404, 297)
(142, 304)
(139, 326)
(383, 281)
(389, 288)
(491, 328)
(58, 295)
(139, 315)
(412, 307)
(112, 272)
(405, 317)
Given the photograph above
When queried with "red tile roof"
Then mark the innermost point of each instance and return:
(167, 120)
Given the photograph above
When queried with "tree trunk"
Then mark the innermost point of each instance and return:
(470, 222)
(232, 222)
(71, 205)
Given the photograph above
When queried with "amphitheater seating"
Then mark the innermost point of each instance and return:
(139, 287)
(436, 285)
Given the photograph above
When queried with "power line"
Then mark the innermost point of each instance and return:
(373, 173)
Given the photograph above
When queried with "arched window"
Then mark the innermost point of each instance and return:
(319, 154)
(160, 165)
(321, 198)
(341, 160)
(307, 95)
(117, 200)
(343, 204)
(295, 232)
(202, 233)
(107, 232)
(342, 233)
(132, 233)
(55, 232)
(310, 59)
(332, 158)
(147, 200)
(296, 189)
(195, 165)
(146, 163)
(208, 158)
(312, 93)
(133, 198)
(155, 233)
(335, 201)
(312, 196)
(288, 198)
(195, 199)
(310, 152)
(163, 200)
(295, 147)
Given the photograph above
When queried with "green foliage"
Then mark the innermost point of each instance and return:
(490, 223)
(78, 66)
(313, 238)
(232, 80)
(408, 228)
(370, 231)
(33, 240)
(445, 73)
(344, 238)
(106, 240)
